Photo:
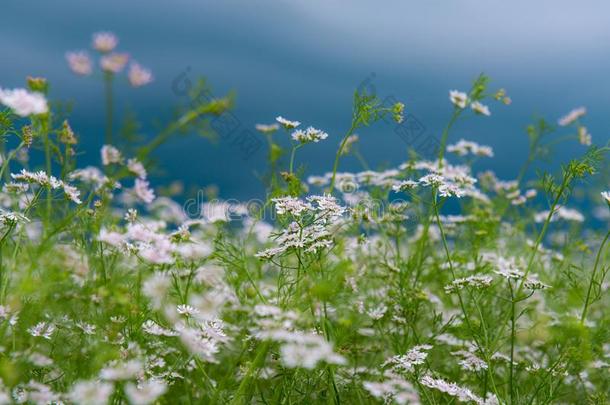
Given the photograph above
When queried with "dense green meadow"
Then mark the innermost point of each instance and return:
(424, 283)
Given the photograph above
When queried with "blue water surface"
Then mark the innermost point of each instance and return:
(303, 59)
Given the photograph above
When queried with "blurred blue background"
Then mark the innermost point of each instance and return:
(303, 59)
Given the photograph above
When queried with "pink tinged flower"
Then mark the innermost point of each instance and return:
(79, 62)
(114, 62)
(572, 116)
(23, 102)
(143, 191)
(104, 41)
(138, 75)
(110, 155)
(137, 168)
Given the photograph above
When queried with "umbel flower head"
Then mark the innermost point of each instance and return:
(138, 75)
(287, 124)
(311, 134)
(79, 62)
(104, 41)
(114, 62)
(458, 98)
(24, 103)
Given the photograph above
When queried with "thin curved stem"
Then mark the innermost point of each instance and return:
(599, 253)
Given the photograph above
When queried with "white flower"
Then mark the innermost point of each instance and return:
(112, 238)
(393, 389)
(267, 129)
(405, 363)
(291, 205)
(145, 392)
(116, 371)
(23, 102)
(458, 98)
(287, 124)
(404, 185)
(311, 134)
(110, 155)
(463, 148)
(198, 343)
(572, 116)
(91, 393)
(187, 310)
(114, 62)
(469, 361)
(452, 389)
(42, 329)
(153, 328)
(307, 351)
(155, 288)
(137, 168)
(470, 281)
(79, 62)
(567, 214)
(143, 191)
(480, 108)
(138, 75)
(72, 193)
(606, 196)
(104, 41)
(87, 328)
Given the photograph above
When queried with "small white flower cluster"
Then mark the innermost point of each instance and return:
(518, 199)
(9, 218)
(104, 41)
(322, 206)
(93, 175)
(460, 393)
(141, 189)
(393, 388)
(477, 282)
(406, 363)
(560, 212)
(469, 361)
(110, 155)
(460, 100)
(464, 147)
(572, 116)
(23, 102)
(287, 124)
(310, 239)
(111, 62)
(79, 62)
(44, 180)
(114, 62)
(42, 329)
(267, 128)
(299, 349)
(308, 135)
(509, 269)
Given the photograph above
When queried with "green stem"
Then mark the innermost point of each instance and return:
(512, 344)
(586, 306)
(109, 110)
(338, 155)
(292, 153)
(243, 394)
